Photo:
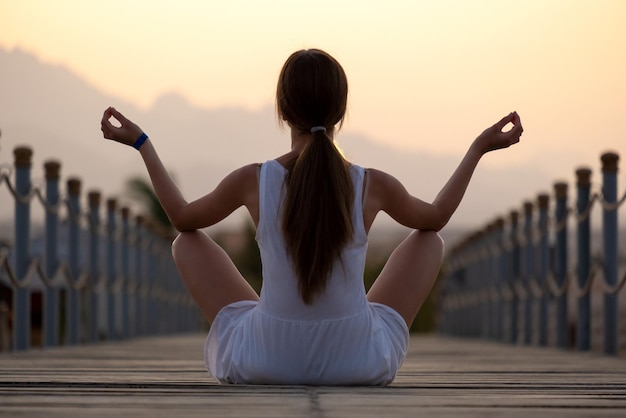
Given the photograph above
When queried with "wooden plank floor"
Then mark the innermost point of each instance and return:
(165, 377)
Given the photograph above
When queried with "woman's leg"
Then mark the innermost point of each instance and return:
(209, 274)
(409, 274)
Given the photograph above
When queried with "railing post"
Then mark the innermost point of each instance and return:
(111, 205)
(467, 320)
(446, 321)
(51, 301)
(4, 327)
(169, 319)
(474, 311)
(140, 328)
(609, 229)
(514, 270)
(543, 201)
(21, 296)
(459, 323)
(483, 279)
(583, 331)
(463, 318)
(151, 281)
(125, 273)
(490, 282)
(528, 264)
(500, 278)
(94, 263)
(73, 293)
(561, 272)
(450, 308)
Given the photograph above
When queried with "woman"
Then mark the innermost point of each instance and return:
(313, 323)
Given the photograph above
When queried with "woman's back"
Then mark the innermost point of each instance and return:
(344, 294)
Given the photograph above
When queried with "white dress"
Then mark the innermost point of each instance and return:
(340, 339)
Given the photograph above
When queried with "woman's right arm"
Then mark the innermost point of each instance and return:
(389, 195)
(235, 190)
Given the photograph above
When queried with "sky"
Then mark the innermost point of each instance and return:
(424, 75)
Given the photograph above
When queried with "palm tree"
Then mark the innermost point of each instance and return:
(140, 190)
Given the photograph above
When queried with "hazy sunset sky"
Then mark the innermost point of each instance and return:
(426, 75)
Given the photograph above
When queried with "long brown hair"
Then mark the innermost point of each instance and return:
(317, 223)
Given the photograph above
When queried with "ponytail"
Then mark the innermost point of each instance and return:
(317, 217)
(311, 96)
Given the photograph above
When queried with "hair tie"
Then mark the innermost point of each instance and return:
(318, 128)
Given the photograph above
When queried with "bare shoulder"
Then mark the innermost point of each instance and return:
(381, 191)
(249, 185)
(240, 186)
(249, 170)
(245, 176)
(381, 183)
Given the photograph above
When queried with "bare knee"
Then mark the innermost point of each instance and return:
(428, 241)
(185, 241)
(179, 243)
(409, 275)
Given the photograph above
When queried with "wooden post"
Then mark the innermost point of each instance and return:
(609, 230)
(562, 330)
(543, 201)
(475, 286)
(583, 251)
(170, 320)
(4, 327)
(94, 263)
(73, 294)
(151, 280)
(140, 302)
(457, 314)
(500, 279)
(111, 205)
(514, 274)
(490, 282)
(21, 295)
(528, 271)
(51, 301)
(125, 257)
(481, 280)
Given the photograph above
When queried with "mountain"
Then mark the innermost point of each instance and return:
(58, 114)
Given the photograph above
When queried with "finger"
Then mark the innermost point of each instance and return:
(106, 133)
(503, 122)
(107, 129)
(516, 119)
(106, 115)
(517, 127)
(117, 115)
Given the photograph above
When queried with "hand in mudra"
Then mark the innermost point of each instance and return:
(127, 133)
(494, 138)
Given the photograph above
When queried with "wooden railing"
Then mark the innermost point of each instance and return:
(100, 280)
(512, 280)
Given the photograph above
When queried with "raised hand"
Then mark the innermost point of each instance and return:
(494, 138)
(127, 133)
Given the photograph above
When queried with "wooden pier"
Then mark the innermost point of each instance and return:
(442, 377)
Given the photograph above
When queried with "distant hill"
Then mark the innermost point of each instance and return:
(58, 115)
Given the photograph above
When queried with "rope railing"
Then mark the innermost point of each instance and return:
(105, 284)
(502, 279)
